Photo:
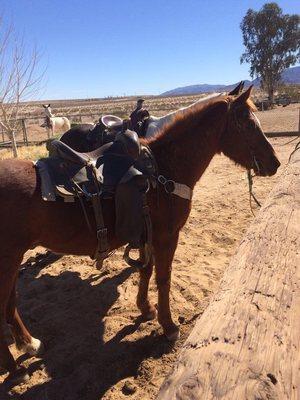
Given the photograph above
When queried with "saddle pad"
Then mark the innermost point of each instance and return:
(47, 187)
(58, 177)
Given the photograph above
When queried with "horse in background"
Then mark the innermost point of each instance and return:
(54, 124)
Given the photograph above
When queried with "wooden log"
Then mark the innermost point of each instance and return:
(282, 134)
(246, 345)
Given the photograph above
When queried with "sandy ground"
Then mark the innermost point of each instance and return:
(96, 345)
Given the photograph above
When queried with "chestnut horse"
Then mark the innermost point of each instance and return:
(183, 150)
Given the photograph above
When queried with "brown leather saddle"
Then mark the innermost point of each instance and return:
(123, 170)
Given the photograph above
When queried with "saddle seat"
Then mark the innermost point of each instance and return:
(65, 152)
(128, 139)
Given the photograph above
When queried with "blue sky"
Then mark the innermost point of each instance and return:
(97, 48)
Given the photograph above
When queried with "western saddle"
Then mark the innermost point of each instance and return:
(122, 169)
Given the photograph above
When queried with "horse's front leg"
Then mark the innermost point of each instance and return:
(148, 311)
(164, 249)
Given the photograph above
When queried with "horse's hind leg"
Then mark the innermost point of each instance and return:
(148, 311)
(24, 341)
(8, 272)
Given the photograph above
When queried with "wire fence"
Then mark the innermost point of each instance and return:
(29, 130)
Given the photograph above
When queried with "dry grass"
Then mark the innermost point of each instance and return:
(27, 152)
(89, 111)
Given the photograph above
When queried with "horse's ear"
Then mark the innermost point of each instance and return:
(44, 106)
(244, 96)
(237, 90)
(48, 105)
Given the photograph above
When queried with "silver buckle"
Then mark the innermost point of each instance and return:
(168, 184)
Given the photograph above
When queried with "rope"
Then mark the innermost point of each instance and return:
(251, 194)
(297, 147)
(290, 141)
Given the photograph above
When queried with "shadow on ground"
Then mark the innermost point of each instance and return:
(66, 312)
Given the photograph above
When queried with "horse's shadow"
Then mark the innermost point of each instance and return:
(80, 364)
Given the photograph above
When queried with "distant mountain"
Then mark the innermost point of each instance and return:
(289, 76)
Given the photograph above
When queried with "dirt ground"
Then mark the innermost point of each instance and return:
(96, 345)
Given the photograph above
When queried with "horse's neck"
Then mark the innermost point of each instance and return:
(49, 114)
(187, 154)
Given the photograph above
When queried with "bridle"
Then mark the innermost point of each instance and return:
(254, 163)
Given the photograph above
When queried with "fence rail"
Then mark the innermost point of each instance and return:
(78, 118)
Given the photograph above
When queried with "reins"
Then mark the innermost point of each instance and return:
(249, 175)
(251, 194)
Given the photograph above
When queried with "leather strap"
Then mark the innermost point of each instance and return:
(102, 250)
(147, 247)
(179, 189)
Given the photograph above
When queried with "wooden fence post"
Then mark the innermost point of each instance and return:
(25, 138)
(14, 144)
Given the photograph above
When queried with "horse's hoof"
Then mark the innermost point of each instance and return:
(34, 348)
(173, 335)
(20, 375)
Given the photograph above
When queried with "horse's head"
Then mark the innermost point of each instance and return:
(47, 109)
(244, 141)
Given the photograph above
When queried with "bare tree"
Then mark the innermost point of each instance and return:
(19, 79)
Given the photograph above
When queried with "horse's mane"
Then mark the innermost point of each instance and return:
(182, 121)
(251, 105)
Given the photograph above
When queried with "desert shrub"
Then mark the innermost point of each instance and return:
(290, 91)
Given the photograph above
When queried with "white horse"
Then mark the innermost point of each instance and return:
(55, 124)
(156, 123)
